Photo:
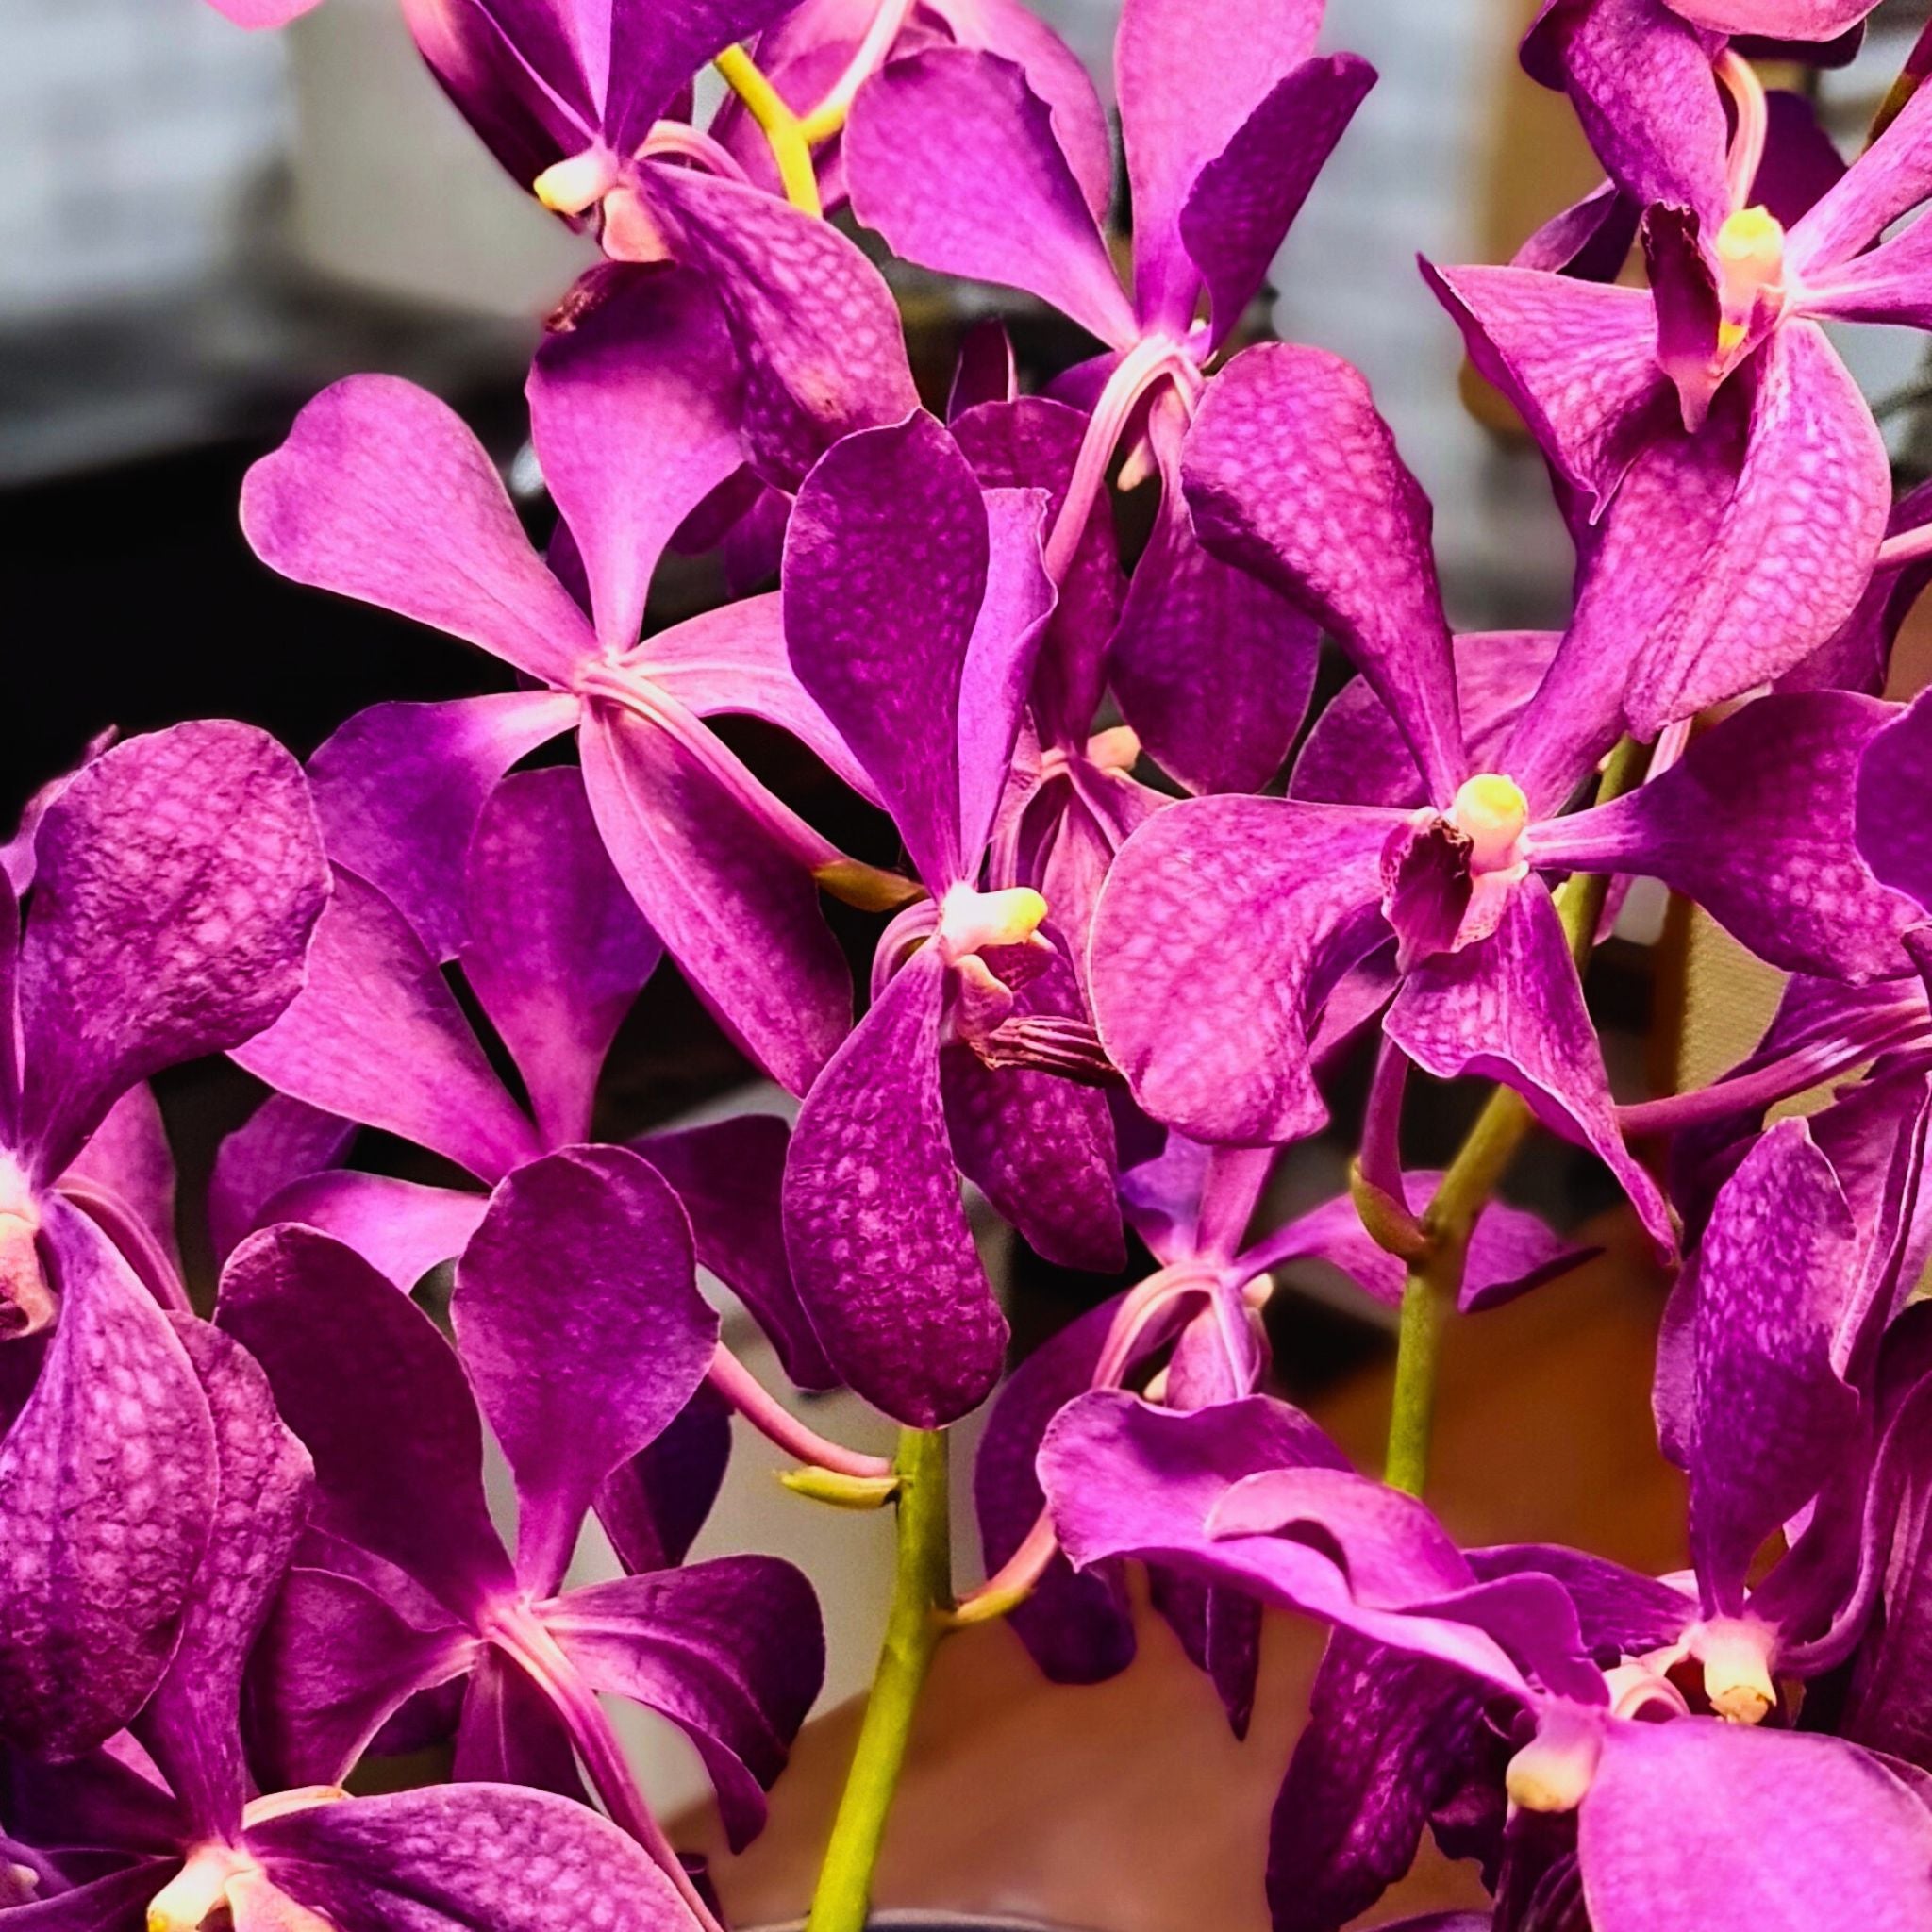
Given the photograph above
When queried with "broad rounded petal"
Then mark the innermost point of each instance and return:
(1291, 474)
(654, 1506)
(634, 416)
(262, 1481)
(377, 1035)
(730, 1177)
(1893, 837)
(1771, 1417)
(1891, 178)
(789, 284)
(335, 1663)
(1212, 667)
(739, 915)
(382, 493)
(886, 569)
(1220, 931)
(1354, 753)
(578, 1316)
(557, 950)
(879, 1243)
(179, 876)
(731, 1651)
(1675, 1832)
(399, 789)
(1182, 100)
(362, 1375)
(734, 659)
(1777, 780)
(952, 156)
(283, 1141)
(1510, 1008)
(1243, 202)
(1809, 511)
(1778, 19)
(1576, 358)
(107, 1486)
(401, 1228)
(1077, 1625)
(466, 1859)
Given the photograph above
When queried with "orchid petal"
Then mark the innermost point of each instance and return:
(382, 493)
(401, 1228)
(1891, 178)
(654, 1506)
(1892, 837)
(579, 1320)
(879, 1244)
(282, 1141)
(129, 1162)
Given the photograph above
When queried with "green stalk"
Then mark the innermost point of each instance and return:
(922, 1593)
(1435, 1276)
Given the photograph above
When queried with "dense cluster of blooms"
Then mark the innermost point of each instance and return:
(238, 1554)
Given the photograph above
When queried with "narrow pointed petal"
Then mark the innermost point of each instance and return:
(179, 876)
(886, 569)
(1809, 511)
(399, 789)
(789, 284)
(879, 1244)
(377, 1035)
(1510, 1008)
(634, 417)
(376, 1395)
(654, 1506)
(401, 1228)
(463, 1859)
(262, 1481)
(129, 1162)
(729, 1178)
(1772, 1416)
(557, 951)
(578, 1316)
(1076, 1625)
(1243, 203)
(1779, 779)
(1220, 931)
(382, 493)
(107, 1486)
(263, 13)
(336, 1662)
(739, 915)
(1890, 827)
(1891, 177)
(1576, 358)
(114, 1904)
(1673, 1833)
(952, 156)
(1345, 535)
(731, 1651)
(1182, 101)
(655, 50)
(1213, 667)
(509, 1732)
(734, 659)
(282, 1141)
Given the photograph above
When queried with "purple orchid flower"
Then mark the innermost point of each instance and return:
(187, 1844)
(1192, 1206)
(1226, 923)
(1249, 1494)
(956, 160)
(176, 880)
(914, 607)
(634, 423)
(1775, 477)
(582, 1337)
(263, 13)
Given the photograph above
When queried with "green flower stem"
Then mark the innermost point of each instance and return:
(921, 1595)
(1434, 1274)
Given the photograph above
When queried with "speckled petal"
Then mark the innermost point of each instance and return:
(577, 1313)
(382, 493)
(1220, 931)
(1893, 177)
(1291, 474)
(1893, 835)
(179, 879)
(128, 1170)
(376, 1395)
(466, 1859)
(108, 1485)
(790, 285)
(377, 1035)
(951, 157)
(879, 1244)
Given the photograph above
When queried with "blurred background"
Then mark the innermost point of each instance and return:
(200, 228)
